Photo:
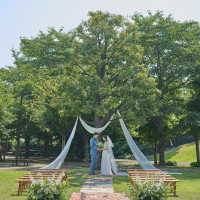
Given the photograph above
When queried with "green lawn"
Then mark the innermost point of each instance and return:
(187, 189)
(185, 153)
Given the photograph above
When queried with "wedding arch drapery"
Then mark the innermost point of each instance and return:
(139, 156)
(57, 163)
(92, 129)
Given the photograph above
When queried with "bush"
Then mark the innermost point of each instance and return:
(47, 188)
(171, 163)
(149, 190)
(194, 164)
(128, 156)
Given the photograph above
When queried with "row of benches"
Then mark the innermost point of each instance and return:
(155, 175)
(38, 174)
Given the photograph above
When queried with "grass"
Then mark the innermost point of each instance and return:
(186, 153)
(187, 189)
(8, 186)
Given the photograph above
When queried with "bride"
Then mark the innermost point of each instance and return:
(108, 164)
(105, 160)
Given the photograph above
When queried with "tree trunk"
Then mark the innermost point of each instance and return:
(86, 149)
(18, 130)
(1, 150)
(82, 154)
(47, 147)
(97, 124)
(1, 153)
(4, 151)
(63, 140)
(197, 147)
(155, 154)
(27, 143)
(18, 142)
(161, 148)
(63, 135)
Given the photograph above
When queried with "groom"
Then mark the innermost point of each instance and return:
(93, 152)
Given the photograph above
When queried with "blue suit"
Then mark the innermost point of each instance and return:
(93, 153)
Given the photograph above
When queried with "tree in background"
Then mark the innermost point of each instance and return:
(190, 122)
(21, 85)
(171, 53)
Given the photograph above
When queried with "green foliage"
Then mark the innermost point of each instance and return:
(171, 53)
(194, 164)
(108, 59)
(170, 163)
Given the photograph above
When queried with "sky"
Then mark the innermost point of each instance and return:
(25, 18)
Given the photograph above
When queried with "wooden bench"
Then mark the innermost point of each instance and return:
(154, 175)
(38, 174)
(16, 161)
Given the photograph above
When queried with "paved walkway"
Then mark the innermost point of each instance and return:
(98, 189)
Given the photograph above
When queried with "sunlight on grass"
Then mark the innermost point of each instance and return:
(186, 153)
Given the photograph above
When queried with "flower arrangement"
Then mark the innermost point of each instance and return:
(100, 145)
(41, 189)
(149, 190)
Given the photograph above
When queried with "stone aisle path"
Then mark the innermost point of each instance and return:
(98, 189)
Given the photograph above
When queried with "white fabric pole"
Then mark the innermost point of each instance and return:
(57, 163)
(139, 156)
(92, 129)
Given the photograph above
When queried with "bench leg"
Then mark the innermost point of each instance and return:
(171, 187)
(174, 188)
(19, 188)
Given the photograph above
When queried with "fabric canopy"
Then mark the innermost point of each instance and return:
(139, 156)
(92, 129)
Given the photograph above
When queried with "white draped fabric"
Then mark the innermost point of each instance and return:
(92, 129)
(139, 156)
(57, 163)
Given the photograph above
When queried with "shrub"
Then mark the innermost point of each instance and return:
(194, 164)
(128, 156)
(149, 190)
(47, 188)
(171, 163)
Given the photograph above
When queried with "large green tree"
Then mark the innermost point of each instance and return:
(171, 53)
(20, 82)
(108, 59)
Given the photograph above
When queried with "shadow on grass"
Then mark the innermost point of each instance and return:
(24, 194)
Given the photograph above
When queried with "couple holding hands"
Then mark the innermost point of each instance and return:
(107, 160)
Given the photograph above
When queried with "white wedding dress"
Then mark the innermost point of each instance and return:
(108, 164)
(105, 161)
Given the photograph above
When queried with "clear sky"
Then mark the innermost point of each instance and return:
(24, 18)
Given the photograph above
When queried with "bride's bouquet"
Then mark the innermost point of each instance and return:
(100, 145)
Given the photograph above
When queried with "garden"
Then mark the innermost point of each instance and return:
(122, 88)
